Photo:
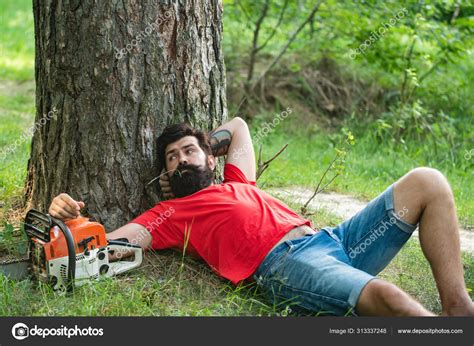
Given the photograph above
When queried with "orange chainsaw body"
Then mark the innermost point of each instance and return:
(81, 229)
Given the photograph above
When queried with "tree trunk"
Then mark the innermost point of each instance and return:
(110, 75)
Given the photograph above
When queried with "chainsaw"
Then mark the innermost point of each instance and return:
(69, 254)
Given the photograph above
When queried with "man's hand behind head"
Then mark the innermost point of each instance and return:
(63, 207)
(165, 186)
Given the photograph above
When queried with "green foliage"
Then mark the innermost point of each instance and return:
(422, 46)
(336, 167)
(408, 96)
(406, 124)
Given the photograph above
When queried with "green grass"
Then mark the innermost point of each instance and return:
(16, 116)
(16, 95)
(370, 168)
(16, 40)
(161, 287)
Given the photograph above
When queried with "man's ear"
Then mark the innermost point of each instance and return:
(211, 161)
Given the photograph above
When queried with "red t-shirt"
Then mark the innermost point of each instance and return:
(232, 226)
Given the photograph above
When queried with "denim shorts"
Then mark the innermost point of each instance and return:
(325, 273)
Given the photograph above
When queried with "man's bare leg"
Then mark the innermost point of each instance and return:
(426, 194)
(382, 298)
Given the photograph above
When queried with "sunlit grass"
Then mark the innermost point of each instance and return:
(370, 168)
(16, 117)
(16, 40)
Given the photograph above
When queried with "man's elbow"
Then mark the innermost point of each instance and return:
(239, 123)
(144, 239)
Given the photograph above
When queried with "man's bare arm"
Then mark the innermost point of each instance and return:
(233, 139)
(135, 234)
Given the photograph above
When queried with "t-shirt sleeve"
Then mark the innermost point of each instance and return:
(233, 173)
(153, 219)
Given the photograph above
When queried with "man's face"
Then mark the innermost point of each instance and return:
(190, 169)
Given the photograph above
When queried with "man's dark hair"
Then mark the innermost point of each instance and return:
(175, 132)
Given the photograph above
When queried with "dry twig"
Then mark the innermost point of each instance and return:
(262, 166)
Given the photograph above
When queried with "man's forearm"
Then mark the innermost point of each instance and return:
(135, 234)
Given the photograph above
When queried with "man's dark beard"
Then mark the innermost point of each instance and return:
(190, 181)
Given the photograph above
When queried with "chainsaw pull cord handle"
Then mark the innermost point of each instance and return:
(71, 251)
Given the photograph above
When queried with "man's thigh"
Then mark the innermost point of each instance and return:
(313, 273)
(374, 235)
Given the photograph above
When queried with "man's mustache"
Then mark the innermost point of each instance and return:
(185, 168)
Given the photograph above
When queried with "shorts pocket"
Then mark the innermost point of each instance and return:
(278, 256)
(280, 259)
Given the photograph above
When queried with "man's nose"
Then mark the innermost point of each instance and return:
(183, 160)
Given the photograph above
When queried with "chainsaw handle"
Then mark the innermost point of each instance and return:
(118, 267)
(71, 252)
(39, 225)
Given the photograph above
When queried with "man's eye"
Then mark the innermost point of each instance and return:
(190, 151)
(171, 158)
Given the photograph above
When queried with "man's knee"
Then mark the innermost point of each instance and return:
(380, 297)
(431, 182)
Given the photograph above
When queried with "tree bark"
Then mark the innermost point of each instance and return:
(115, 73)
